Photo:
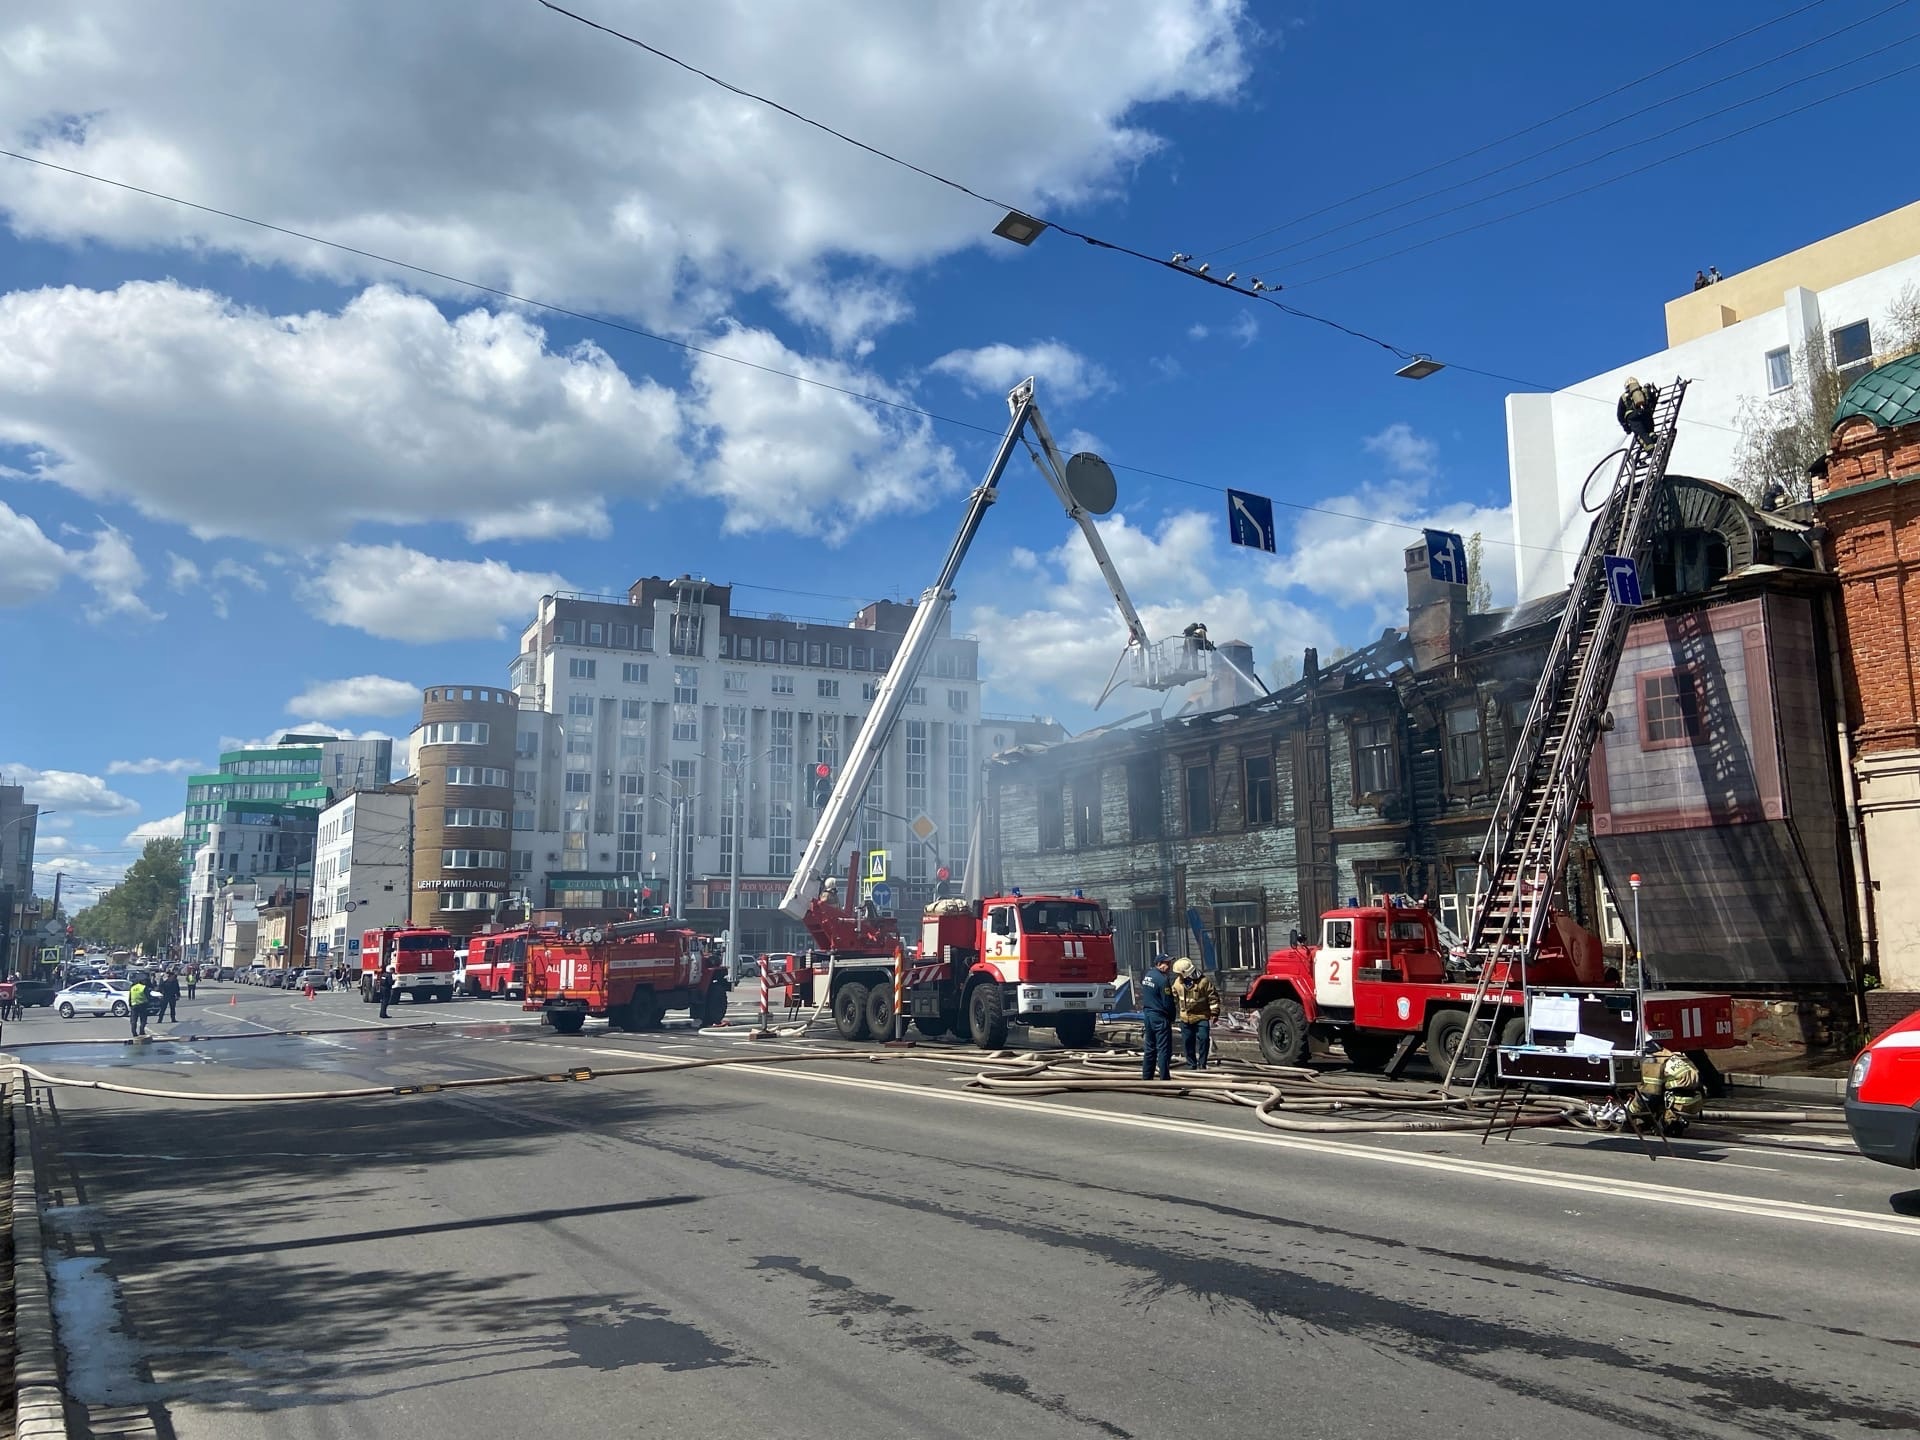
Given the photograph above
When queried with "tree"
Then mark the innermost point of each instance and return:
(140, 910)
(1783, 434)
(1479, 589)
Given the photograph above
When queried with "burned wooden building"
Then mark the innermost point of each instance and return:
(1377, 772)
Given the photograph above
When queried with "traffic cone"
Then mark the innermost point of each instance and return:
(233, 999)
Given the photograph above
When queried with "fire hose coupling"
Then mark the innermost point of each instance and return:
(579, 1072)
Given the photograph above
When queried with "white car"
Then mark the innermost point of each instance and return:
(91, 997)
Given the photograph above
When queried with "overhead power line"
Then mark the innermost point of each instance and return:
(1524, 130)
(589, 318)
(1563, 170)
(1176, 266)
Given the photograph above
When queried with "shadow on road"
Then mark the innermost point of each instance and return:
(210, 1217)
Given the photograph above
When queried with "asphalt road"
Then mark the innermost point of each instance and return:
(846, 1248)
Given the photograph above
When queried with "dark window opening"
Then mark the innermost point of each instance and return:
(1466, 747)
(1259, 772)
(1199, 799)
(1375, 756)
(1143, 798)
(1086, 810)
(1052, 818)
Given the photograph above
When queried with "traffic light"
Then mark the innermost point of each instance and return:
(822, 785)
(943, 873)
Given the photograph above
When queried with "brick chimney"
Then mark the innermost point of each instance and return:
(1436, 612)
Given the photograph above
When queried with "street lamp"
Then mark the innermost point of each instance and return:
(1020, 229)
(676, 836)
(1420, 367)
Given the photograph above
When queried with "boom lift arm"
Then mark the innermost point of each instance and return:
(836, 818)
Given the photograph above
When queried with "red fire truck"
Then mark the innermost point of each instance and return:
(422, 960)
(1380, 974)
(629, 974)
(497, 963)
(982, 966)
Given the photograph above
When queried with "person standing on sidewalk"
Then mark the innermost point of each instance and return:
(137, 1007)
(1197, 999)
(1156, 1021)
(193, 980)
(383, 990)
(169, 1006)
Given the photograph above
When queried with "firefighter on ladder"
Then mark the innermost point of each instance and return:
(1635, 410)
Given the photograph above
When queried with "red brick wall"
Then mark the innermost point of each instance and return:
(1874, 539)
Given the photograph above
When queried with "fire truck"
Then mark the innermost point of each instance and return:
(1381, 975)
(629, 974)
(982, 966)
(1379, 979)
(422, 960)
(1883, 1096)
(497, 963)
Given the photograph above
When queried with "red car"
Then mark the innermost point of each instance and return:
(1883, 1096)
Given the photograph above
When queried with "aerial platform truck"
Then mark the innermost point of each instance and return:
(982, 964)
(1379, 980)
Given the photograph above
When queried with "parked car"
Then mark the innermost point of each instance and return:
(28, 993)
(225, 973)
(1883, 1096)
(91, 997)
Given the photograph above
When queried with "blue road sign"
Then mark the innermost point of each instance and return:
(883, 896)
(1623, 579)
(1250, 520)
(1446, 557)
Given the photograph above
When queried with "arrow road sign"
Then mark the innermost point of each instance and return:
(883, 896)
(1446, 557)
(1250, 520)
(1623, 579)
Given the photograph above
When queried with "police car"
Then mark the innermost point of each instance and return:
(1883, 1096)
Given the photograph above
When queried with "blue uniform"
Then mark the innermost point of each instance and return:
(1156, 1007)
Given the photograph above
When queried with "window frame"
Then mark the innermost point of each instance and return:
(1865, 327)
(1457, 782)
(1687, 699)
(1251, 819)
(1357, 749)
(1188, 769)
(1784, 354)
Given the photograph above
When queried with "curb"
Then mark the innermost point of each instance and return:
(39, 1411)
(1829, 1085)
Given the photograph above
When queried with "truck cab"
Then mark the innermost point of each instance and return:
(422, 959)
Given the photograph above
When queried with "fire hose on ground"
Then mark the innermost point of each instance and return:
(1297, 1100)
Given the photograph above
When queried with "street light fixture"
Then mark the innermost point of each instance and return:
(1420, 367)
(1020, 229)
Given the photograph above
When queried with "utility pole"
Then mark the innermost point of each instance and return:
(733, 877)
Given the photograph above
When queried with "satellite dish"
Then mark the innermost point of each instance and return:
(1090, 483)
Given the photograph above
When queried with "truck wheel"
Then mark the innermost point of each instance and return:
(570, 1022)
(987, 1017)
(931, 1026)
(1075, 1031)
(716, 1004)
(850, 1011)
(1368, 1049)
(1514, 1032)
(446, 994)
(1445, 1031)
(1283, 1032)
(880, 1012)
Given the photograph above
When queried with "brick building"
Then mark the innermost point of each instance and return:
(1867, 493)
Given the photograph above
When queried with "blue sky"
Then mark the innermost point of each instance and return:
(250, 482)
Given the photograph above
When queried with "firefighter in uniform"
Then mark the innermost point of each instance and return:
(1635, 410)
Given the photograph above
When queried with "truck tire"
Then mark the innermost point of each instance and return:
(1075, 1031)
(850, 1011)
(880, 1012)
(1368, 1050)
(1445, 1031)
(1514, 1032)
(931, 1026)
(987, 1017)
(570, 1022)
(1283, 1032)
(445, 993)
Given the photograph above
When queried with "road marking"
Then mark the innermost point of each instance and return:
(1753, 1207)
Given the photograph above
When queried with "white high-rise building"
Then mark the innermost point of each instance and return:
(360, 869)
(634, 708)
(1739, 342)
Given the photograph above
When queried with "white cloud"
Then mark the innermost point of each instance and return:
(518, 147)
(170, 827)
(402, 594)
(357, 695)
(1060, 372)
(182, 573)
(848, 313)
(185, 404)
(31, 565)
(1406, 453)
(786, 456)
(1063, 646)
(1197, 331)
(68, 791)
(153, 767)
